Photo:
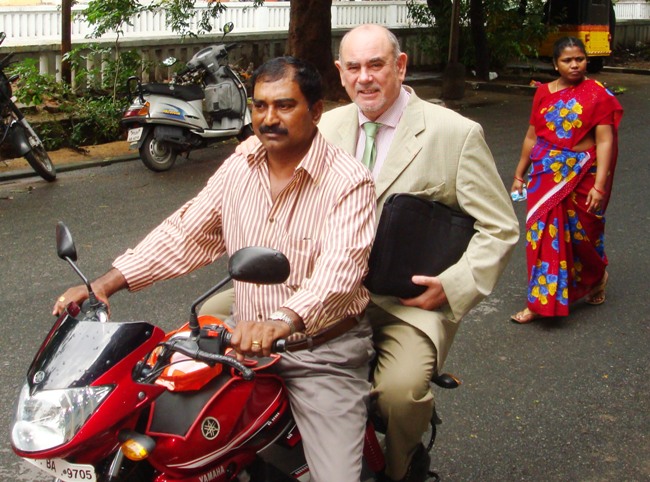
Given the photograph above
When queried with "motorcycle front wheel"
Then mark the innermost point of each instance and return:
(38, 157)
(157, 156)
(40, 161)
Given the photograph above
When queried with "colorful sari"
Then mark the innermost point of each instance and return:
(565, 244)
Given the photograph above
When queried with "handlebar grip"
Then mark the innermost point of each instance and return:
(278, 346)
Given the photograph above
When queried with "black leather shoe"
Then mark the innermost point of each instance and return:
(418, 470)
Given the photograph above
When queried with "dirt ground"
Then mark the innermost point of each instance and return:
(73, 156)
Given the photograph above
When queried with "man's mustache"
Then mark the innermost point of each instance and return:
(264, 129)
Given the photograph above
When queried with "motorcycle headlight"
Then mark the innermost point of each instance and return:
(52, 417)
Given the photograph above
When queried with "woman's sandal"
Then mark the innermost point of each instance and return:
(597, 295)
(525, 316)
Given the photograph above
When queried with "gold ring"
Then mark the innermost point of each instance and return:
(255, 343)
(61, 299)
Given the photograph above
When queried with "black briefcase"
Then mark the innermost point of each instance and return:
(415, 236)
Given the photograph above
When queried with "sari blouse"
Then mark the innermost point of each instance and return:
(563, 118)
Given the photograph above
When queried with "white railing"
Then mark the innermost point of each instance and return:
(38, 25)
(41, 24)
(632, 10)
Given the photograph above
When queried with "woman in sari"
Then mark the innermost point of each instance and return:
(570, 153)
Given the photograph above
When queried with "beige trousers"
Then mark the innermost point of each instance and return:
(406, 360)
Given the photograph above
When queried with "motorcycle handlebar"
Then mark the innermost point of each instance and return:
(192, 350)
(278, 346)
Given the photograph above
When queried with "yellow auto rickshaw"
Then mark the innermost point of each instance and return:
(592, 21)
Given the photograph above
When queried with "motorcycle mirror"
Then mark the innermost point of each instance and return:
(67, 251)
(228, 27)
(259, 265)
(169, 61)
(65, 247)
(250, 265)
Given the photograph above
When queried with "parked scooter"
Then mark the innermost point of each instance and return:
(204, 103)
(123, 401)
(15, 130)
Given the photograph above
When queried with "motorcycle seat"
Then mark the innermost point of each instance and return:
(184, 92)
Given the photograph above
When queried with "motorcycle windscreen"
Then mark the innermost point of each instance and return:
(76, 353)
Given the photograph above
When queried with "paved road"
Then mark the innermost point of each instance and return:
(555, 401)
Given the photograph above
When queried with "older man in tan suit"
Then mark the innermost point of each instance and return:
(435, 153)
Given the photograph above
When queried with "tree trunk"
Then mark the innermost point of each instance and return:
(310, 39)
(479, 38)
(66, 40)
(521, 10)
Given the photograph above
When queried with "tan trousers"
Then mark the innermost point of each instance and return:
(406, 360)
(328, 390)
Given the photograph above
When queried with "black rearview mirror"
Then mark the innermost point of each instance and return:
(259, 265)
(65, 247)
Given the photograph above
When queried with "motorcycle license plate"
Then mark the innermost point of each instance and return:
(134, 134)
(66, 471)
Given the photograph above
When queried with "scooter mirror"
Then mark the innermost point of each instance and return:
(65, 247)
(259, 265)
(169, 61)
(228, 27)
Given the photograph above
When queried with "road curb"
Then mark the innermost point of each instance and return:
(74, 166)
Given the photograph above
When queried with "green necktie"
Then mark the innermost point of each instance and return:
(370, 151)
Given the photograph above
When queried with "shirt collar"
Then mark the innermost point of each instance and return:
(312, 163)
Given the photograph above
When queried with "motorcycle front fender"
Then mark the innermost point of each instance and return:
(17, 137)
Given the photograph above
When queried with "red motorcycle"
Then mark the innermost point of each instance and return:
(123, 401)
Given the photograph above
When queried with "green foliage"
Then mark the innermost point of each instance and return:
(420, 16)
(510, 36)
(104, 69)
(88, 119)
(53, 134)
(32, 87)
(96, 121)
(106, 16)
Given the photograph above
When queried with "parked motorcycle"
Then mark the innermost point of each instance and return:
(123, 401)
(16, 131)
(204, 103)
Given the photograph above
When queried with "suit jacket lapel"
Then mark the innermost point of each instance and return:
(347, 130)
(405, 145)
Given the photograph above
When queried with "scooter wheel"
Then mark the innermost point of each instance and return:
(157, 156)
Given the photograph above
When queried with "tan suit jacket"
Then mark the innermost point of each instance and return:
(440, 155)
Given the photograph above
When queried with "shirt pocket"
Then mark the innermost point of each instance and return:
(302, 254)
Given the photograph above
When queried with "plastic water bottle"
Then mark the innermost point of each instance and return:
(519, 197)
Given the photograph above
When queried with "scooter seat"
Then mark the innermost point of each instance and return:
(184, 92)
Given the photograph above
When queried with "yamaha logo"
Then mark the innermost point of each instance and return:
(210, 428)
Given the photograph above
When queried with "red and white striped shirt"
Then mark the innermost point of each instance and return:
(323, 221)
